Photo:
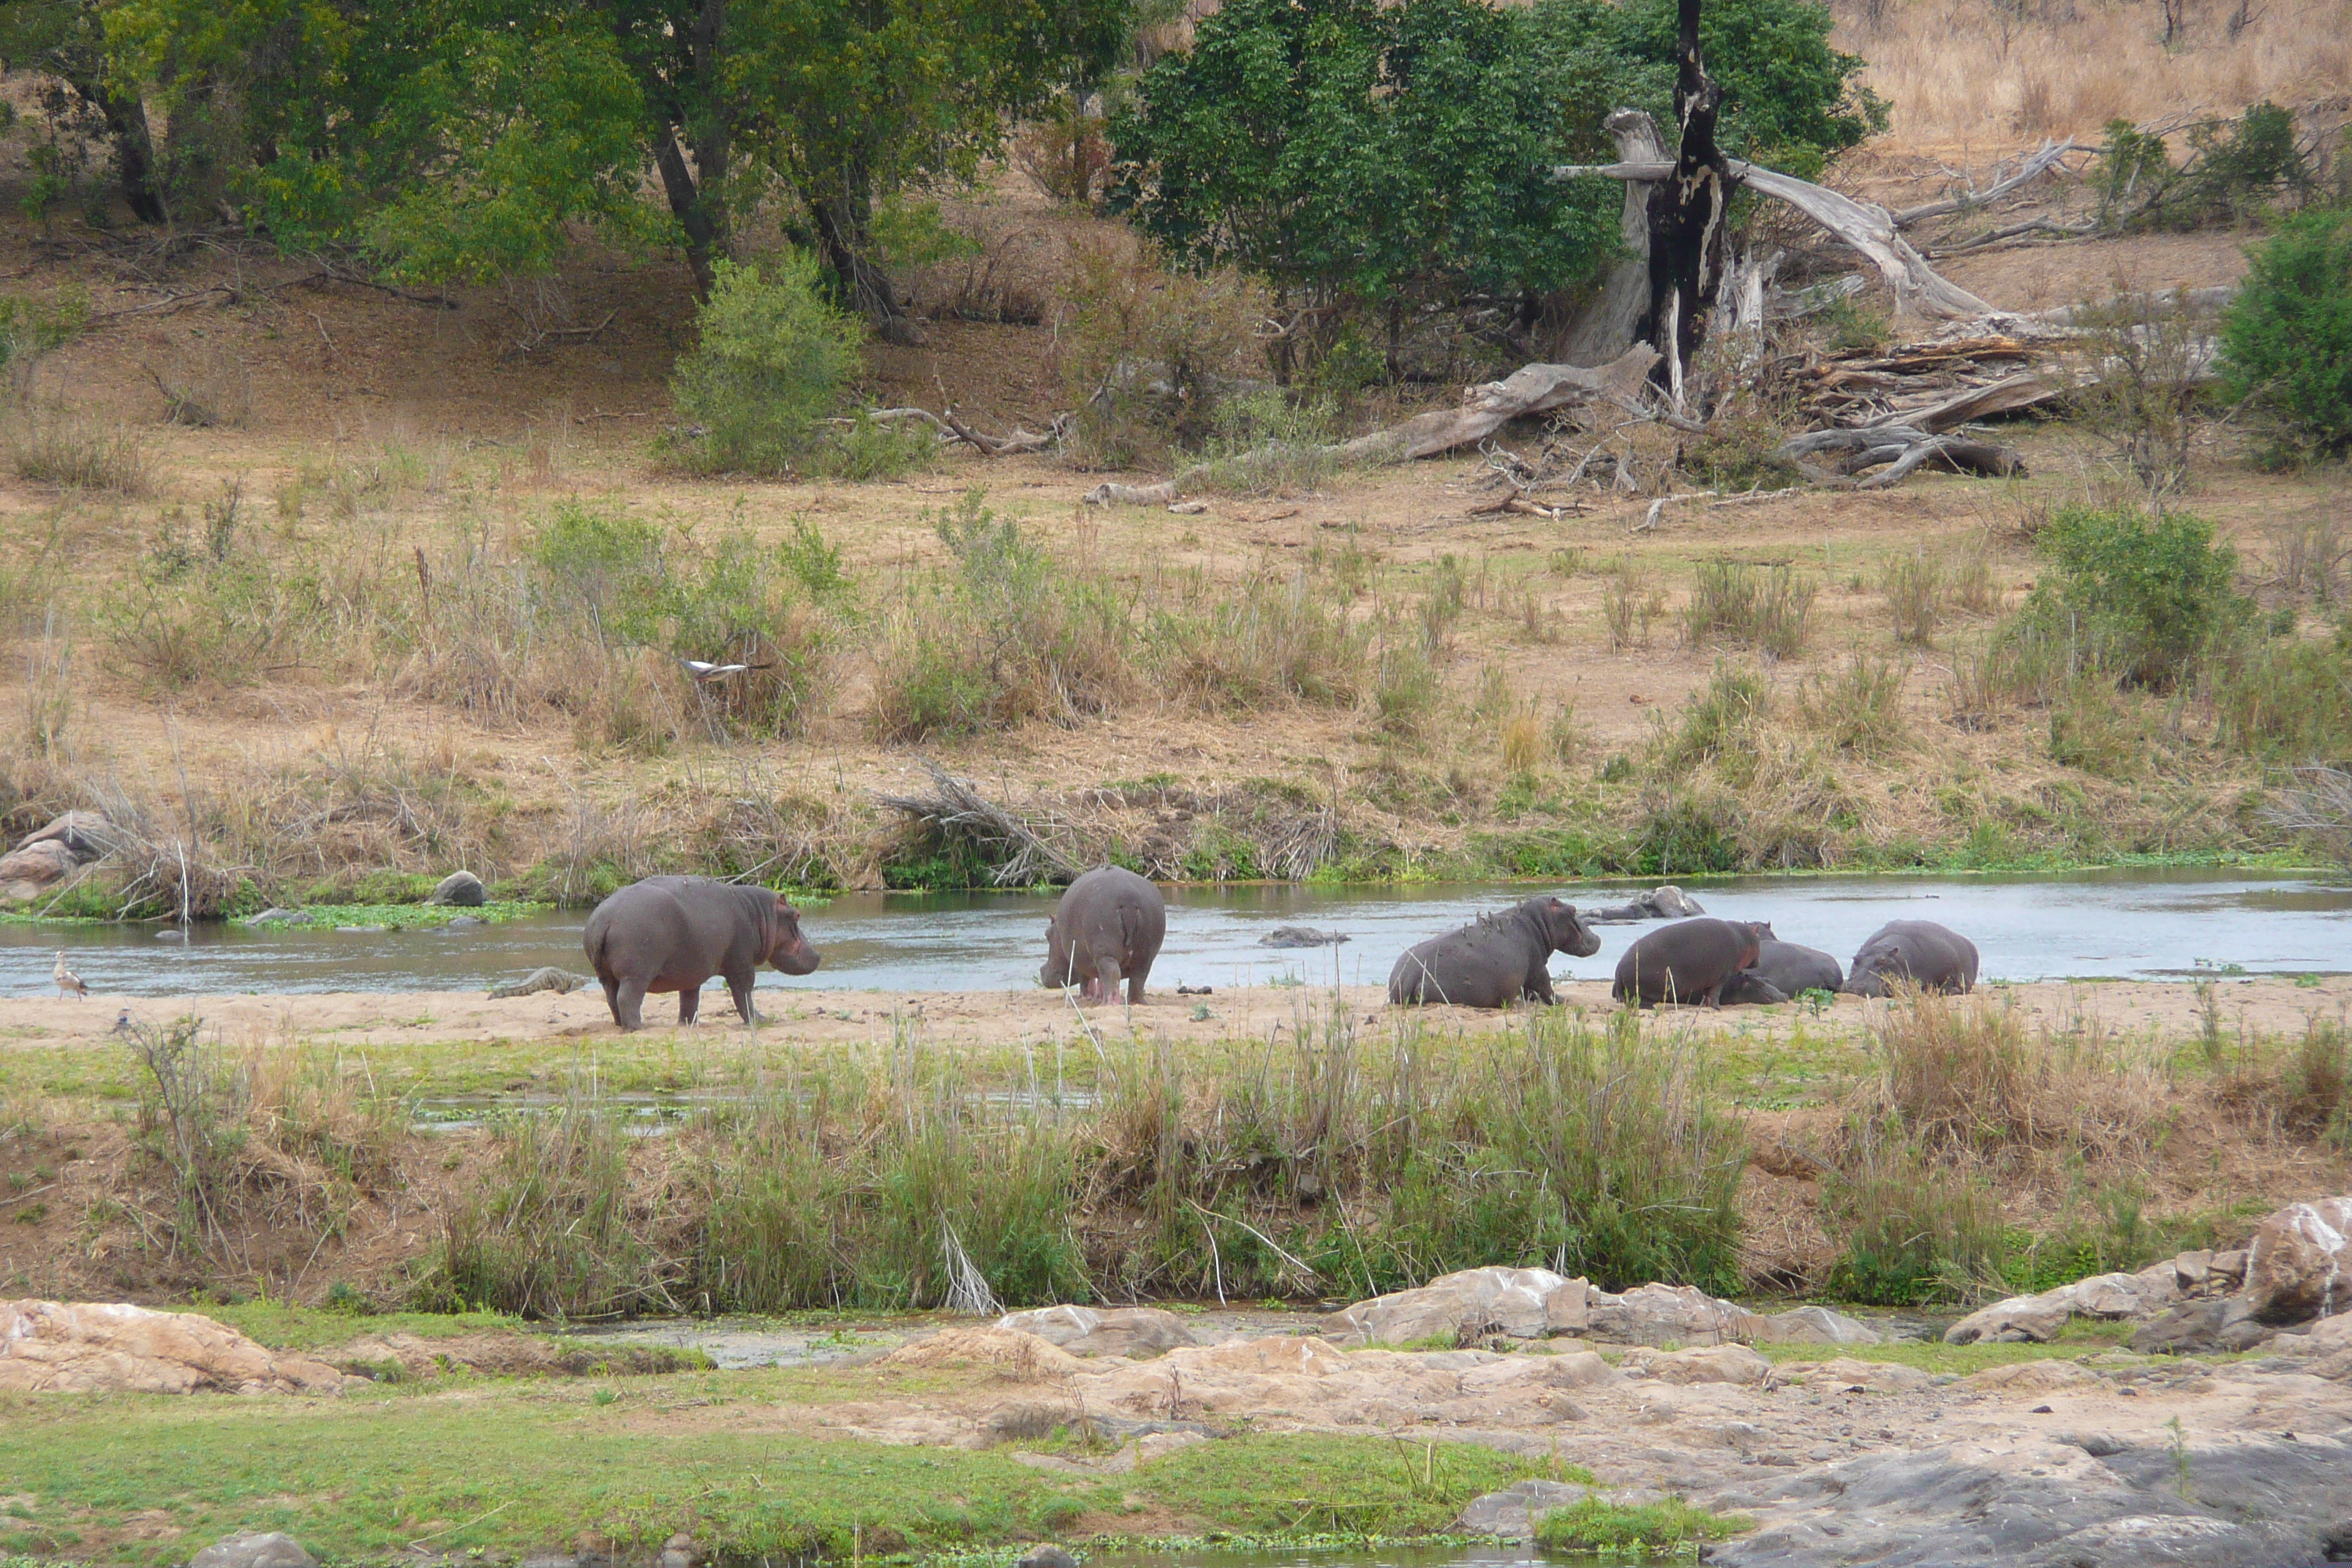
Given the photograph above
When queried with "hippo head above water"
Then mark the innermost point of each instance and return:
(788, 949)
(1564, 931)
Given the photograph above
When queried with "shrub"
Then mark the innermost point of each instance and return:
(1262, 442)
(2145, 594)
(1719, 720)
(1914, 1233)
(1149, 353)
(2286, 341)
(768, 365)
(1766, 606)
(1003, 636)
(2288, 697)
(1913, 585)
(56, 447)
(1267, 640)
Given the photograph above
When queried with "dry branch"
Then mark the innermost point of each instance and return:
(1486, 408)
(2050, 156)
(956, 805)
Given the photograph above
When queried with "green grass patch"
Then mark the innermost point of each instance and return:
(282, 1327)
(1596, 1526)
(2082, 1336)
(496, 1468)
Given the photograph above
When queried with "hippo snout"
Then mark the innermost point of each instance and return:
(797, 957)
(1585, 942)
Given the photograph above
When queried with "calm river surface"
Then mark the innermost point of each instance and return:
(2076, 925)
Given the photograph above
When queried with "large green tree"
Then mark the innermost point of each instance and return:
(465, 137)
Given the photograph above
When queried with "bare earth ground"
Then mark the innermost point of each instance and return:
(819, 1018)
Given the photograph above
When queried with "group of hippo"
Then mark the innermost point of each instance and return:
(673, 933)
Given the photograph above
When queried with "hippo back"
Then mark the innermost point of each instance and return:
(1792, 969)
(1918, 953)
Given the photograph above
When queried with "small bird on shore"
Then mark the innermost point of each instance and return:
(68, 982)
(122, 1023)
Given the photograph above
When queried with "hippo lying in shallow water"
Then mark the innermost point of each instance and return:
(1495, 959)
(1687, 963)
(1107, 927)
(673, 933)
(1782, 970)
(1919, 952)
(1666, 904)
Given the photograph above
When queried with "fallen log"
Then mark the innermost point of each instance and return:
(2051, 154)
(1902, 449)
(958, 805)
(1486, 408)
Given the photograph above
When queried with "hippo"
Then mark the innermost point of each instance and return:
(1920, 952)
(1668, 902)
(1782, 970)
(1495, 961)
(1109, 925)
(1688, 962)
(672, 934)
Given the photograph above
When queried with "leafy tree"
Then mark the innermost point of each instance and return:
(2287, 339)
(1789, 100)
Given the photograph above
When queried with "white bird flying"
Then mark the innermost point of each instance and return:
(68, 982)
(706, 672)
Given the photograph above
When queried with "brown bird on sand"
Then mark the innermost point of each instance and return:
(68, 982)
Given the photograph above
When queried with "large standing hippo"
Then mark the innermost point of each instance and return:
(672, 934)
(1495, 959)
(1688, 962)
(1783, 969)
(1108, 926)
(1919, 952)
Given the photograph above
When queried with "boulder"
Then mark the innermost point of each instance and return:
(1016, 1357)
(1047, 1557)
(2326, 1337)
(1578, 1369)
(460, 888)
(1668, 1314)
(86, 834)
(273, 1549)
(1134, 1331)
(90, 1348)
(1814, 1326)
(2299, 1263)
(2209, 1323)
(1514, 1512)
(29, 872)
(1527, 1303)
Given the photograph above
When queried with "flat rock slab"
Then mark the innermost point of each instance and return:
(60, 1347)
(1513, 1513)
(274, 1550)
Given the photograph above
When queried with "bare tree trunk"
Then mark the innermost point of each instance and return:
(1686, 218)
(843, 227)
(696, 196)
(1605, 330)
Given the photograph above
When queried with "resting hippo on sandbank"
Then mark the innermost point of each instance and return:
(1108, 926)
(672, 934)
(1919, 951)
(1782, 970)
(1688, 963)
(1495, 959)
(1666, 904)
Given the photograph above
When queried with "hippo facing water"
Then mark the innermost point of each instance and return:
(1108, 926)
(1495, 959)
(673, 933)
(1782, 970)
(1687, 963)
(1919, 953)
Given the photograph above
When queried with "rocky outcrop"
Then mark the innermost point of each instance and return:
(1513, 1513)
(52, 853)
(1533, 1303)
(273, 1549)
(1136, 1333)
(84, 1348)
(2297, 1269)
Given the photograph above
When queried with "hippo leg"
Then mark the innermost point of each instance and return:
(690, 1003)
(740, 987)
(612, 1000)
(1135, 986)
(628, 1004)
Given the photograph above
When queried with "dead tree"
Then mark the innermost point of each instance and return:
(1688, 212)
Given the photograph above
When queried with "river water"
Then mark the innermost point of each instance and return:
(2168, 924)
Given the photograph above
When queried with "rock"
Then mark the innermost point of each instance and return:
(2230, 1268)
(678, 1551)
(1528, 1303)
(2324, 1337)
(1877, 1376)
(461, 889)
(1134, 1331)
(1712, 1364)
(1301, 936)
(2034, 1320)
(31, 869)
(1514, 1512)
(465, 922)
(2031, 1377)
(2299, 1263)
(1159, 1444)
(273, 1549)
(2214, 1323)
(1273, 1356)
(1018, 1357)
(1814, 1326)
(1668, 1314)
(78, 1348)
(1578, 1369)
(1047, 1557)
(2190, 1268)
(85, 834)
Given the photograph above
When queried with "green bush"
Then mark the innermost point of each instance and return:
(770, 364)
(2287, 342)
(2289, 698)
(1914, 1233)
(2143, 595)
